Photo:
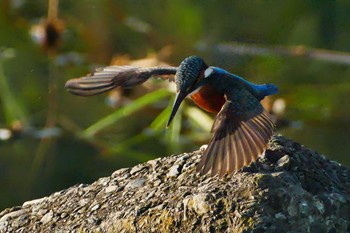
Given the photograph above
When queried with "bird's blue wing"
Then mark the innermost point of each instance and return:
(241, 132)
(107, 78)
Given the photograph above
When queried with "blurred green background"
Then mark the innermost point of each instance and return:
(50, 139)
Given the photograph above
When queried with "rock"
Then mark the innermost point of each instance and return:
(174, 171)
(289, 189)
(137, 183)
(198, 203)
(47, 218)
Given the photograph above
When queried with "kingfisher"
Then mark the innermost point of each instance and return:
(241, 129)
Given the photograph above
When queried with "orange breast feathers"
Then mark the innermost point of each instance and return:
(208, 99)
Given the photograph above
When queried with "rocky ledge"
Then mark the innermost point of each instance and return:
(290, 189)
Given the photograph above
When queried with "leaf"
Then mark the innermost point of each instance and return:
(13, 110)
(159, 123)
(124, 111)
(200, 118)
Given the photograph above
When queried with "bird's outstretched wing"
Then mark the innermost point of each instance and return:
(107, 78)
(241, 132)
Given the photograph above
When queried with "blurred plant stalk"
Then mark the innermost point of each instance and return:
(14, 112)
(49, 37)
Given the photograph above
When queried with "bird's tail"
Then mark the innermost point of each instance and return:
(265, 90)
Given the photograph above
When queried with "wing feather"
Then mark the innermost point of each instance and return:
(239, 155)
(247, 144)
(241, 133)
(253, 141)
(209, 161)
(232, 158)
(107, 78)
(225, 155)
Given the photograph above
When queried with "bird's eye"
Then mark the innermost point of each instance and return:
(208, 72)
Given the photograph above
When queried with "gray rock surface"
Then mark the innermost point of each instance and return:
(290, 189)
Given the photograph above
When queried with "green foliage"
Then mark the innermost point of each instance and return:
(13, 110)
(124, 112)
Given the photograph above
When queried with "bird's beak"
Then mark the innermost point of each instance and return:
(180, 96)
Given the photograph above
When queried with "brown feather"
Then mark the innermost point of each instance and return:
(225, 155)
(238, 140)
(253, 141)
(107, 78)
(232, 157)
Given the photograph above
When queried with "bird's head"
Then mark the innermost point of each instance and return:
(187, 79)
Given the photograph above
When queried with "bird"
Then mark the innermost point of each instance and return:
(242, 127)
